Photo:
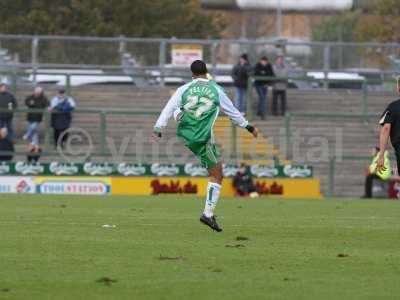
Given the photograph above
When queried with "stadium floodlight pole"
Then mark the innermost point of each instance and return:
(35, 55)
(279, 19)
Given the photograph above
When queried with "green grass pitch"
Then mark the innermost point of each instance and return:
(54, 247)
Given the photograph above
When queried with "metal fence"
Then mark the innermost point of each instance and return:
(28, 78)
(112, 135)
(333, 172)
(91, 52)
(103, 123)
(107, 135)
(348, 138)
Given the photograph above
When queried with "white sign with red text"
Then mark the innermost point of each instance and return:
(17, 185)
(185, 54)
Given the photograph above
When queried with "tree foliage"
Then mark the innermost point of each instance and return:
(381, 24)
(139, 18)
(378, 21)
(337, 28)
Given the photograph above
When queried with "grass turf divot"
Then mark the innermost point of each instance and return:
(242, 238)
(161, 257)
(106, 280)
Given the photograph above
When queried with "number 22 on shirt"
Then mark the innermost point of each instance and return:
(197, 105)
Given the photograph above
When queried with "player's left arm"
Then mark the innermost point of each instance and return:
(166, 114)
(234, 114)
(386, 125)
(383, 141)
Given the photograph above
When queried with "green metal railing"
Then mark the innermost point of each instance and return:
(333, 159)
(16, 74)
(314, 115)
(102, 128)
(103, 151)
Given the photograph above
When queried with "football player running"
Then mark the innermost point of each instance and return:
(195, 107)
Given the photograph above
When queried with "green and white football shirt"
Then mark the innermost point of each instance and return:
(197, 103)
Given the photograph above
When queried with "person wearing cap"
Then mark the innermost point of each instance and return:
(36, 101)
(240, 75)
(61, 107)
(262, 69)
(7, 105)
(195, 106)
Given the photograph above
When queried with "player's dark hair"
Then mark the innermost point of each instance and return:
(198, 67)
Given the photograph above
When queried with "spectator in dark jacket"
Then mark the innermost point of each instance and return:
(7, 102)
(240, 75)
(36, 101)
(62, 107)
(263, 68)
(243, 183)
(6, 145)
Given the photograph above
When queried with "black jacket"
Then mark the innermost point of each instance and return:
(40, 102)
(6, 145)
(7, 101)
(261, 70)
(240, 75)
(62, 115)
(243, 183)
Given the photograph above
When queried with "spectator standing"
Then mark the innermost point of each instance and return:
(36, 101)
(240, 74)
(280, 87)
(262, 68)
(7, 102)
(6, 145)
(61, 107)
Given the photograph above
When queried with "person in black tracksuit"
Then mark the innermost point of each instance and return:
(7, 102)
(240, 75)
(263, 69)
(390, 127)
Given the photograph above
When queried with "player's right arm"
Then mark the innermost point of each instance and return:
(234, 114)
(172, 105)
